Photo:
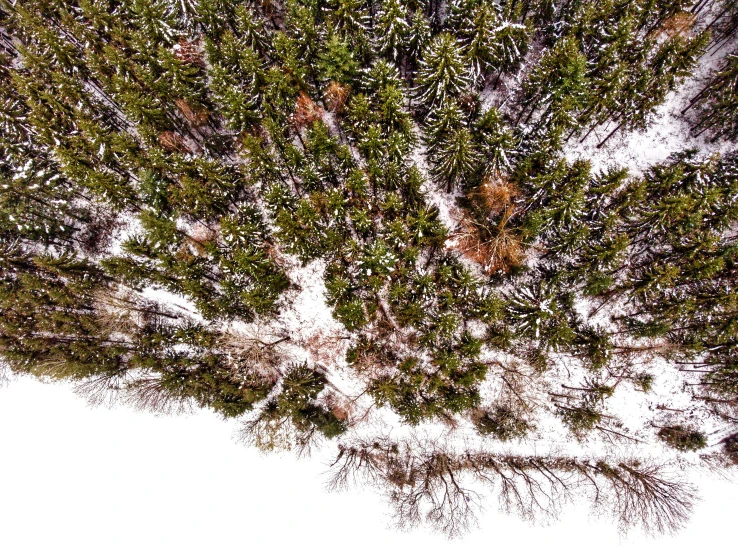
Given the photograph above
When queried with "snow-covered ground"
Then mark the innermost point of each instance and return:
(74, 480)
(668, 131)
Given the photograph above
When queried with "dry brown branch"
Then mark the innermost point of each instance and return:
(436, 494)
(149, 394)
(189, 52)
(97, 236)
(325, 347)
(495, 195)
(641, 495)
(497, 248)
(255, 353)
(521, 386)
(5, 374)
(306, 112)
(103, 390)
(336, 96)
(375, 358)
(680, 24)
(730, 448)
(357, 465)
(268, 430)
(197, 117)
(173, 142)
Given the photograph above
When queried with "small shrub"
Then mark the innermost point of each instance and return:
(579, 419)
(644, 381)
(501, 422)
(682, 438)
(730, 448)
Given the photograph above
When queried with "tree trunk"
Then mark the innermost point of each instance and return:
(616, 129)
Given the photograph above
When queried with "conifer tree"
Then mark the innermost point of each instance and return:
(455, 158)
(418, 36)
(443, 73)
(717, 107)
(391, 29)
(475, 23)
(496, 142)
(350, 19)
(336, 63)
(557, 84)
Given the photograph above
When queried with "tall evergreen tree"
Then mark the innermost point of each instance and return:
(442, 74)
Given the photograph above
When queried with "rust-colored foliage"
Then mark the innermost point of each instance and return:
(195, 244)
(495, 195)
(270, 8)
(200, 236)
(339, 407)
(173, 142)
(306, 112)
(184, 253)
(189, 52)
(680, 24)
(336, 96)
(499, 253)
(469, 102)
(197, 117)
(492, 243)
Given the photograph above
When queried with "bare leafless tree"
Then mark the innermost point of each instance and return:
(268, 429)
(103, 389)
(433, 485)
(640, 494)
(148, 393)
(356, 464)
